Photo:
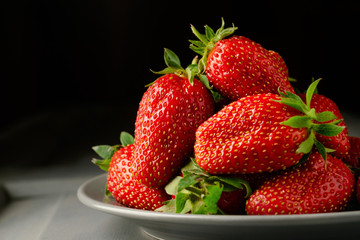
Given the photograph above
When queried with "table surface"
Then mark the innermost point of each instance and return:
(41, 203)
(46, 207)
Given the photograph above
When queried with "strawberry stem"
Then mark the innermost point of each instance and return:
(208, 41)
(173, 64)
(314, 122)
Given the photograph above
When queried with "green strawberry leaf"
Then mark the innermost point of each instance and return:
(193, 168)
(187, 181)
(167, 70)
(180, 202)
(105, 151)
(223, 32)
(311, 113)
(197, 44)
(209, 32)
(126, 139)
(173, 65)
(171, 59)
(325, 116)
(298, 122)
(306, 146)
(205, 81)
(191, 71)
(234, 183)
(200, 36)
(310, 91)
(210, 199)
(169, 206)
(172, 187)
(197, 49)
(322, 150)
(328, 129)
(292, 100)
(102, 164)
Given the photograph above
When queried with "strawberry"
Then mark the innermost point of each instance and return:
(340, 142)
(125, 189)
(238, 66)
(246, 137)
(353, 157)
(169, 113)
(120, 183)
(262, 133)
(308, 188)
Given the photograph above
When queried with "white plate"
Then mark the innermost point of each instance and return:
(187, 226)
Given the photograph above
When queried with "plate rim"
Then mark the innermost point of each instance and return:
(146, 215)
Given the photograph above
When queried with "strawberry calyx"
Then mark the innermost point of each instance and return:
(323, 123)
(173, 64)
(198, 192)
(106, 152)
(207, 41)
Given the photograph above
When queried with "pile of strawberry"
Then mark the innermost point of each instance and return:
(229, 135)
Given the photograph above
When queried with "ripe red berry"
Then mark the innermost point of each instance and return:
(309, 188)
(247, 137)
(238, 66)
(169, 114)
(125, 189)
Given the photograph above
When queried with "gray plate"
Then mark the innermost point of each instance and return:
(187, 226)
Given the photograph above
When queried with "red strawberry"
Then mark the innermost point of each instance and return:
(261, 133)
(117, 161)
(125, 189)
(309, 188)
(246, 137)
(353, 158)
(340, 142)
(169, 113)
(238, 66)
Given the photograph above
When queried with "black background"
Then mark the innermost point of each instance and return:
(75, 70)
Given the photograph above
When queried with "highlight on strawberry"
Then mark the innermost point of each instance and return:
(229, 135)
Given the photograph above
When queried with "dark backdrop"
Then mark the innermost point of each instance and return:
(75, 70)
